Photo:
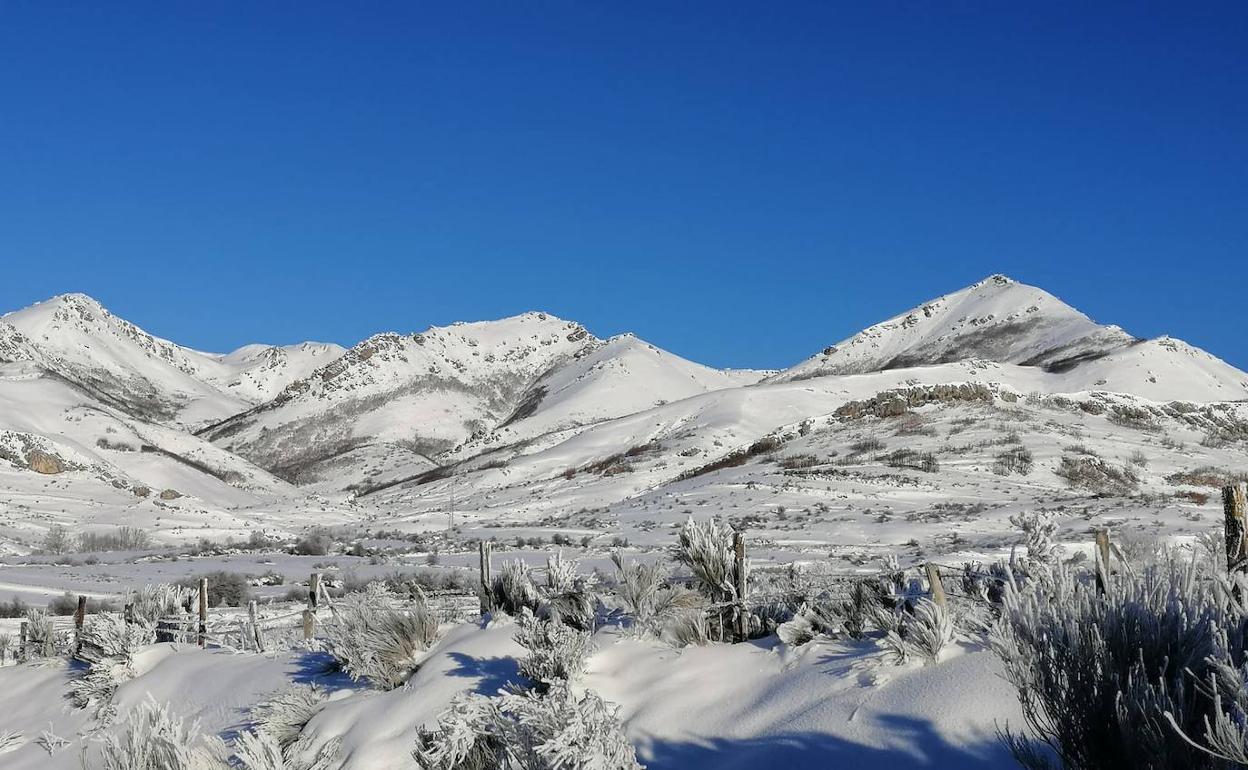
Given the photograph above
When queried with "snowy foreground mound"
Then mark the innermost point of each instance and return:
(760, 704)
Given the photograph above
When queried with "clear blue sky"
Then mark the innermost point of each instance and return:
(739, 183)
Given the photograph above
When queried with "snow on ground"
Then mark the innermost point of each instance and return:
(758, 704)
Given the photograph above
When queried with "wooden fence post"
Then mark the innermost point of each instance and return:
(309, 625)
(203, 611)
(255, 626)
(21, 640)
(1235, 506)
(484, 549)
(1102, 561)
(314, 590)
(936, 587)
(739, 579)
(80, 616)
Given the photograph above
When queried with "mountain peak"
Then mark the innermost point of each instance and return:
(996, 319)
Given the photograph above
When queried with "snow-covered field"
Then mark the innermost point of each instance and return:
(917, 439)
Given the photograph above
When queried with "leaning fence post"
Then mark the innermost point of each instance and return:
(1235, 506)
(80, 616)
(255, 626)
(203, 611)
(1102, 561)
(738, 573)
(936, 587)
(483, 551)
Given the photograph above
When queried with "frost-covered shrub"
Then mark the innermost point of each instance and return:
(685, 628)
(108, 645)
(276, 741)
(638, 587)
(285, 713)
(560, 574)
(575, 608)
(152, 602)
(1110, 680)
(555, 731)
(892, 622)
(1013, 460)
(556, 652)
(1096, 475)
(930, 631)
(40, 635)
(706, 549)
(374, 642)
(513, 589)
(153, 738)
(1039, 529)
(225, 589)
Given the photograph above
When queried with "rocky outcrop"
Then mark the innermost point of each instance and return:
(42, 462)
(170, 494)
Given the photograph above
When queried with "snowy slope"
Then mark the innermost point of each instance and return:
(465, 387)
(149, 377)
(997, 319)
(258, 373)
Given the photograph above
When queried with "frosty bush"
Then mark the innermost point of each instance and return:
(513, 589)
(152, 602)
(374, 642)
(555, 731)
(153, 738)
(638, 587)
(560, 574)
(40, 635)
(575, 608)
(258, 750)
(556, 652)
(930, 631)
(686, 627)
(706, 549)
(1109, 681)
(285, 713)
(1038, 528)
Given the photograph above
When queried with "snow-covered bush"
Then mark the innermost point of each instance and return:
(95, 688)
(1112, 680)
(374, 642)
(527, 731)
(686, 627)
(276, 741)
(153, 738)
(560, 574)
(513, 589)
(556, 652)
(930, 631)
(40, 635)
(638, 587)
(706, 549)
(285, 713)
(575, 608)
(258, 750)
(1038, 528)
(152, 602)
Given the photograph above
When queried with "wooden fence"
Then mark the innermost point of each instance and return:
(251, 628)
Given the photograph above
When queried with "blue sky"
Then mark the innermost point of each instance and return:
(742, 184)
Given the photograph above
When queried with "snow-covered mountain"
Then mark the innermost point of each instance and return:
(146, 376)
(423, 395)
(533, 416)
(1004, 321)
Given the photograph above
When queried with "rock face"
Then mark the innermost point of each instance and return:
(170, 494)
(42, 462)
